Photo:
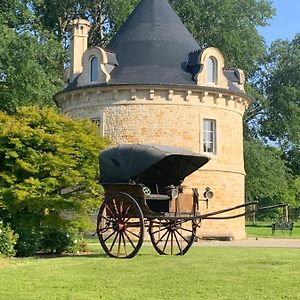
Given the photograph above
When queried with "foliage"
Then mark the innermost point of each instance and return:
(57, 240)
(230, 26)
(29, 241)
(48, 170)
(106, 16)
(268, 178)
(33, 64)
(204, 273)
(282, 88)
(8, 240)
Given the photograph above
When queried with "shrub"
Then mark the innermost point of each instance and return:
(48, 168)
(58, 241)
(8, 240)
(28, 243)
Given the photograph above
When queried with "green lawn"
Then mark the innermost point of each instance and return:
(204, 273)
(263, 229)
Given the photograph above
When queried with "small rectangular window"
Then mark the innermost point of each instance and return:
(99, 123)
(209, 136)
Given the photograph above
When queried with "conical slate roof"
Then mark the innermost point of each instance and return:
(152, 47)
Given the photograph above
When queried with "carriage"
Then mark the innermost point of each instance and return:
(143, 189)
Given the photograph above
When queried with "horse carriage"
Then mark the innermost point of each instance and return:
(143, 189)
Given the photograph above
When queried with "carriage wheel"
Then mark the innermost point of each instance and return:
(120, 226)
(172, 237)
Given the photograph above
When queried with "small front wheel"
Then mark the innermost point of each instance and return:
(120, 226)
(172, 236)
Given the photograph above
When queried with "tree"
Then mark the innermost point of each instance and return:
(106, 17)
(48, 167)
(281, 85)
(33, 68)
(230, 26)
(268, 179)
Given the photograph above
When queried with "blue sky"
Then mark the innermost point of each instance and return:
(285, 24)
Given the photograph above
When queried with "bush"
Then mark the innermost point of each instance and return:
(28, 243)
(8, 240)
(49, 168)
(58, 241)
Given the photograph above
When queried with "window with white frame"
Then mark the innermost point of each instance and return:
(209, 136)
(94, 69)
(212, 69)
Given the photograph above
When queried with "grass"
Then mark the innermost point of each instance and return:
(204, 273)
(263, 229)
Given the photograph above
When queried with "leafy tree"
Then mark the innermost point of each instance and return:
(281, 84)
(274, 119)
(33, 68)
(106, 16)
(268, 178)
(48, 169)
(230, 26)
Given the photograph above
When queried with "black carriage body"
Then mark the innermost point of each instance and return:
(160, 169)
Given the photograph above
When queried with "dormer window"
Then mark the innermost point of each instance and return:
(212, 70)
(94, 69)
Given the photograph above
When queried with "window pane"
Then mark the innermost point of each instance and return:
(94, 69)
(211, 70)
(209, 135)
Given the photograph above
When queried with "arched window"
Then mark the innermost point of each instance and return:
(94, 69)
(212, 70)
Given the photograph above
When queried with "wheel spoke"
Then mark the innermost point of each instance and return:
(162, 237)
(109, 220)
(116, 209)
(166, 242)
(112, 214)
(171, 242)
(188, 230)
(119, 244)
(178, 244)
(125, 213)
(128, 238)
(125, 247)
(154, 232)
(187, 241)
(136, 235)
(113, 243)
(109, 236)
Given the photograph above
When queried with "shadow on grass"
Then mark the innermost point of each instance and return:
(88, 255)
(70, 255)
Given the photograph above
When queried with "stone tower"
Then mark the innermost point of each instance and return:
(155, 84)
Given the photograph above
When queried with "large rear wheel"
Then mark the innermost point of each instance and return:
(120, 226)
(172, 236)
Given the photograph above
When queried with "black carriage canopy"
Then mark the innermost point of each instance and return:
(148, 164)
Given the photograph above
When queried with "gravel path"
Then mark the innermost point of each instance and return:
(253, 242)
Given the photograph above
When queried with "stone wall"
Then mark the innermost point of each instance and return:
(174, 116)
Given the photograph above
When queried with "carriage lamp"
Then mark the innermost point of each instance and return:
(208, 195)
(172, 191)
